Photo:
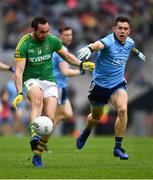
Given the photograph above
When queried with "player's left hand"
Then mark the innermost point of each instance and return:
(87, 66)
(17, 100)
(141, 56)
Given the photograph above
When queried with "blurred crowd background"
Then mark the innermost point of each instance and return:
(90, 21)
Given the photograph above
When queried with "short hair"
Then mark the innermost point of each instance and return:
(123, 19)
(38, 20)
(64, 28)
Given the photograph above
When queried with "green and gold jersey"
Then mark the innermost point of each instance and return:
(38, 56)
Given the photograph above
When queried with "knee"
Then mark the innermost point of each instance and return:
(93, 118)
(37, 103)
(122, 111)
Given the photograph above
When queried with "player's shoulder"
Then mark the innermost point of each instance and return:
(24, 39)
(110, 36)
(108, 40)
(130, 40)
(53, 37)
(55, 42)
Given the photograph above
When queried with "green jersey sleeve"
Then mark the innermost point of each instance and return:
(21, 49)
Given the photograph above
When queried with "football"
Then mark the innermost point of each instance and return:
(43, 125)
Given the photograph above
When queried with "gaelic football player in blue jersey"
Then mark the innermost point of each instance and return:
(108, 82)
(62, 71)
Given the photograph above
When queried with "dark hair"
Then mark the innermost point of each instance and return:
(64, 28)
(122, 19)
(38, 20)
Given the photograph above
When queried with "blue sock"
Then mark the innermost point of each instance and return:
(86, 132)
(118, 141)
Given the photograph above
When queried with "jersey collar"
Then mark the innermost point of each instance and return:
(118, 40)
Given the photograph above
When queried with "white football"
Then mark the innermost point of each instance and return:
(43, 125)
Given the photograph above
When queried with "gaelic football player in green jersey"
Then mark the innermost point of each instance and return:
(34, 77)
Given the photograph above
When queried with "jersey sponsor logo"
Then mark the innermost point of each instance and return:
(40, 58)
(125, 50)
(119, 62)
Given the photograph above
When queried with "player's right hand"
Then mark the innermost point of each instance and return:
(84, 52)
(87, 65)
(17, 100)
(12, 69)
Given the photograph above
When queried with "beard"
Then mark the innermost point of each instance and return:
(42, 39)
(39, 38)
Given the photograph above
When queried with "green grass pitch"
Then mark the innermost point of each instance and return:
(94, 161)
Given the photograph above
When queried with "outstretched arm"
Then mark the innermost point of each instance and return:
(5, 67)
(71, 59)
(96, 46)
(67, 71)
(87, 50)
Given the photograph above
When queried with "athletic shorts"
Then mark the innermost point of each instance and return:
(49, 88)
(62, 93)
(100, 96)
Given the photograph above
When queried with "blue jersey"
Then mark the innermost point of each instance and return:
(61, 80)
(111, 61)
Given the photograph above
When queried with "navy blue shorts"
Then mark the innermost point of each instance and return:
(99, 95)
(62, 93)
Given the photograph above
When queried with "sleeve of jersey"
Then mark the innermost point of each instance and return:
(106, 41)
(20, 52)
(58, 44)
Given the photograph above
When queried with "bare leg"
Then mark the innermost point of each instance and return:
(35, 96)
(119, 100)
(93, 117)
(63, 112)
(50, 105)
